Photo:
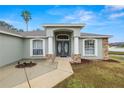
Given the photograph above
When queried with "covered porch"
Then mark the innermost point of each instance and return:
(63, 40)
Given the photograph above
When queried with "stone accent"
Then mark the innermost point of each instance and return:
(51, 57)
(105, 48)
(76, 58)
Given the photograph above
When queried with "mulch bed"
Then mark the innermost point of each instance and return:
(84, 61)
(111, 60)
(88, 61)
(23, 65)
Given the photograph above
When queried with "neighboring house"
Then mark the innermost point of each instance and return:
(63, 40)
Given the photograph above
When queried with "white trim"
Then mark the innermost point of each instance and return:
(31, 48)
(50, 45)
(64, 25)
(8, 33)
(36, 36)
(76, 45)
(31, 41)
(96, 48)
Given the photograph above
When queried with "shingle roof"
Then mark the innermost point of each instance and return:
(43, 33)
(33, 33)
(93, 35)
(22, 34)
(7, 30)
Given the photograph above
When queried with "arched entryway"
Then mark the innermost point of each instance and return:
(63, 43)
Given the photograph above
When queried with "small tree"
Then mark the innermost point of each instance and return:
(26, 15)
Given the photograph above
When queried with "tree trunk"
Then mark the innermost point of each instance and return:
(27, 27)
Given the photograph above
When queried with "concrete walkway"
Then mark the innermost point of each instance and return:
(52, 78)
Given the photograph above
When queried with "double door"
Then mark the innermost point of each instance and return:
(62, 48)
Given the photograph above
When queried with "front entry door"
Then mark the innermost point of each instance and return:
(63, 48)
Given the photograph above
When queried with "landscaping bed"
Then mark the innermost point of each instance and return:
(23, 65)
(116, 53)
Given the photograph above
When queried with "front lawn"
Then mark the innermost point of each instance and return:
(98, 74)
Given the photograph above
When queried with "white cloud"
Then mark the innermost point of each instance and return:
(113, 8)
(79, 16)
(113, 11)
(11, 21)
(116, 15)
(75, 15)
(56, 10)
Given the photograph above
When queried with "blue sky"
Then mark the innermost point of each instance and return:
(98, 19)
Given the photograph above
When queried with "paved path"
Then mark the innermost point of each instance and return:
(52, 78)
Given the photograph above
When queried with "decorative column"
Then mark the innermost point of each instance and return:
(50, 45)
(76, 45)
(76, 57)
(105, 48)
(50, 54)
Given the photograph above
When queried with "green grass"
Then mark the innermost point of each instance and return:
(116, 53)
(95, 75)
(119, 58)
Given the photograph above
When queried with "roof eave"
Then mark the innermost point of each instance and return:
(35, 36)
(12, 34)
(95, 36)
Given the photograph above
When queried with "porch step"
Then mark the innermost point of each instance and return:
(64, 63)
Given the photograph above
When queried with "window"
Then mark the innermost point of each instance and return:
(89, 47)
(63, 36)
(37, 47)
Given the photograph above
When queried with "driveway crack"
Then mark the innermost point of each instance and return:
(27, 77)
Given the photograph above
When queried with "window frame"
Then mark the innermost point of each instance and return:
(95, 48)
(31, 47)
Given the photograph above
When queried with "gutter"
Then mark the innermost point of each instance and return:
(8, 33)
(12, 34)
(109, 36)
(35, 36)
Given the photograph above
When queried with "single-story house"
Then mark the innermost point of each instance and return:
(63, 40)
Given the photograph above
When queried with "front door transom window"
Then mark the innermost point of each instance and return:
(62, 37)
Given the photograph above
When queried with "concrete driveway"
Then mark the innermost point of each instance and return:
(11, 76)
(44, 75)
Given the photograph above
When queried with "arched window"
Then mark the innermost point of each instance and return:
(62, 36)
